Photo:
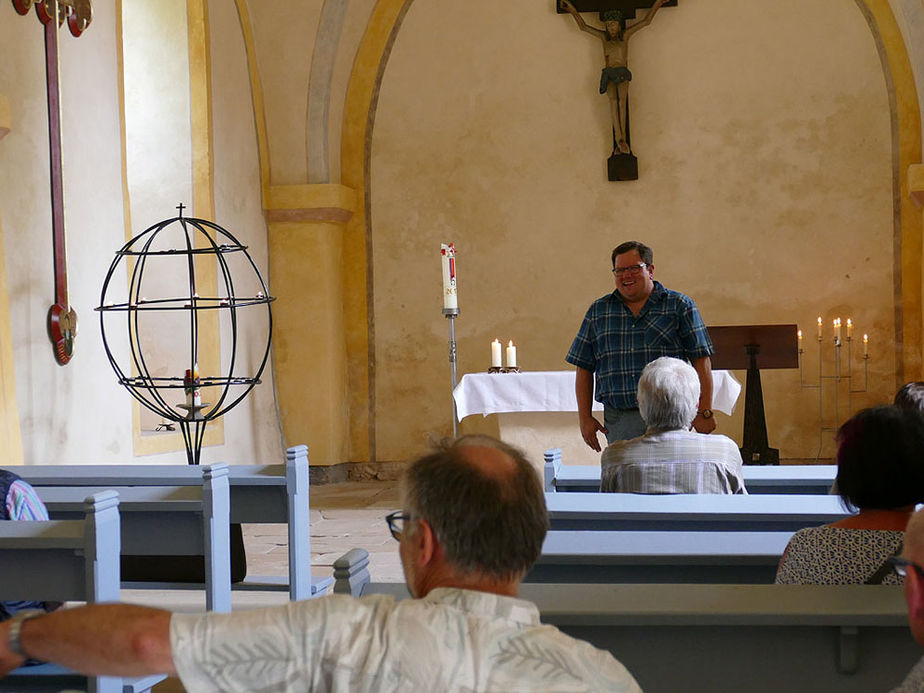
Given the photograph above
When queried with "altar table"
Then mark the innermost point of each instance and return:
(534, 409)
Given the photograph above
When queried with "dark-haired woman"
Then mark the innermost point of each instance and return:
(880, 473)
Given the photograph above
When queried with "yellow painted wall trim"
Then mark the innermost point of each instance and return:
(907, 121)
(358, 116)
(148, 443)
(256, 93)
(10, 433)
(325, 202)
(203, 182)
(6, 121)
(916, 184)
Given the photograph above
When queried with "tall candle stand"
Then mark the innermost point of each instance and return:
(451, 315)
(837, 377)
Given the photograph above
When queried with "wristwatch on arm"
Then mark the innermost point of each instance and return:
(706, 413)
(16, 623)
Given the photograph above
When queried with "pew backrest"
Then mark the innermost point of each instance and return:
(66, 560)
(691, 512)
(803, 479)
(677, 557)
(758, 638)
(169, 520)
(260, 494)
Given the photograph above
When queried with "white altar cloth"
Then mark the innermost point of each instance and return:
(500, 393)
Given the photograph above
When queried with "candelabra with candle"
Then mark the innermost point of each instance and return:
(451, 312)
(175, 247)
(839, 374)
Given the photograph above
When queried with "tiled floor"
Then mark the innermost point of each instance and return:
(343, 516)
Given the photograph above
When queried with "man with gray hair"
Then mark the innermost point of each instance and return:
(473, 523)
(910, 566)
(671, 458)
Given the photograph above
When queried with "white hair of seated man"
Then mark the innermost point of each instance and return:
(668, 394)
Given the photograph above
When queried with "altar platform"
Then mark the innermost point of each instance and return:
(537, 410)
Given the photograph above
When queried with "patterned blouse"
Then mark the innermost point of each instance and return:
(838, 556)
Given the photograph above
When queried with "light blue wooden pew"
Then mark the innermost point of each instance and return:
(690, 512)
(798, 479)
(755, 638)
(260, 494)
(168, 521)
(641, 557)
(65, 560)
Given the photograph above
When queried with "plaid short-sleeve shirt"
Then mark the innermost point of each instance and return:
(616, 345)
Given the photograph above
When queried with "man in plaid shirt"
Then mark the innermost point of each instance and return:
(623, 332)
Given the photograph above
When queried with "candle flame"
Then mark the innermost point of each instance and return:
(819, 319)
(800, 334)
(865, 338)
(510, 343)
(496, 341)
(849, 323)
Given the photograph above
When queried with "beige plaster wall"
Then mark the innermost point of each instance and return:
(765, 157)
(252, 429)
(284, 34)
(78, 413)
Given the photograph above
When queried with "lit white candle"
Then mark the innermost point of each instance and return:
(866, 345)
(849, 327)
(799, 334)
(496, 354)
(450, 296)
(837, 329)
(819, 327)
(511, 355)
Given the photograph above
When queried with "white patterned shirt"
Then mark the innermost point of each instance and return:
(838, 556)
(451, 640)
(914, 681)
(672, 462)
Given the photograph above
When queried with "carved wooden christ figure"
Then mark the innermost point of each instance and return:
(615, 78)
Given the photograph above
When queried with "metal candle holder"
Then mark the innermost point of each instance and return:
(836, 377)
(150, 390)
(451, 315)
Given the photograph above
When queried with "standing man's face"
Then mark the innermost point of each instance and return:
(634, 284)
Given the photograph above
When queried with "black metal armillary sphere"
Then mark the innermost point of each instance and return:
(157, 315)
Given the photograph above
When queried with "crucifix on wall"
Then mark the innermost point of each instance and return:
(62, 319)
(615, 78)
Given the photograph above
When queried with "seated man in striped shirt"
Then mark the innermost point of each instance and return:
(670, 457)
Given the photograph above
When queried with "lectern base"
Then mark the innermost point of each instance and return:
(765, 456)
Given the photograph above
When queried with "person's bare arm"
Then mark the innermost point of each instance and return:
(584, 392)
(703, 368)
(642, 23)
(100, 639)
(582, 25)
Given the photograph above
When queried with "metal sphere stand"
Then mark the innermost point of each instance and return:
(150, 390)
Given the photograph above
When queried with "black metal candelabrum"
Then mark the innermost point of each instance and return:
(172, 250)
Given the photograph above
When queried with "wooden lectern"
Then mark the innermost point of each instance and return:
(754, 347)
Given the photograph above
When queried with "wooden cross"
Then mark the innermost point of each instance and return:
(627, 7)
(62, 319)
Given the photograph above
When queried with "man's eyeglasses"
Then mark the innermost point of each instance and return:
(396, 522)
(631, 269)
(901, 566)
